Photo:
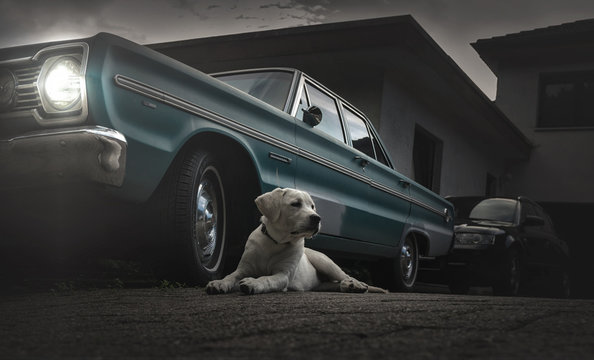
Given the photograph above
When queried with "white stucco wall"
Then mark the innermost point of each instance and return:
(561, 166)
(464, 165)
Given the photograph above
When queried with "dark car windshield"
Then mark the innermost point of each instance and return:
(271, 87)
(495, 209)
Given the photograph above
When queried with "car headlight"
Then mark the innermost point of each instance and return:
(469, 239)
(62, 83)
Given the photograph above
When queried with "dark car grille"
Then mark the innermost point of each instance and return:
(27, 96)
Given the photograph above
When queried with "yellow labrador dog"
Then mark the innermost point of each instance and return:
(275, 258)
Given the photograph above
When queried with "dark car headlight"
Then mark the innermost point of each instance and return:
(469, 239)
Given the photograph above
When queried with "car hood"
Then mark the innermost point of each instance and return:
(478, 229)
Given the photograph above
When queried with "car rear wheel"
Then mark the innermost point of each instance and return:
(406, 266)
(400, 273)
(509, 283)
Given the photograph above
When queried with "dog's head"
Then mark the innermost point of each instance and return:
(289, 213)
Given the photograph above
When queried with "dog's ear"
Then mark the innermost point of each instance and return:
(269, 203)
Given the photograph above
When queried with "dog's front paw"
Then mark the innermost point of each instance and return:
(351, 285)
(218, 287)
(251, 286)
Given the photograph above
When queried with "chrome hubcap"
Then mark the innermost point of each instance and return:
(207, 222)
(407, 260)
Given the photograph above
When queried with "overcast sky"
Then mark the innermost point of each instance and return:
(453, 24)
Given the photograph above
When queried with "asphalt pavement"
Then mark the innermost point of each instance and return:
(185, 323)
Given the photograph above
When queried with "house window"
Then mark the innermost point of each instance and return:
(566, 100)
(427, 152)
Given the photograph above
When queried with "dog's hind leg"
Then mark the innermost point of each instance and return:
(334, 279)
(325, 267)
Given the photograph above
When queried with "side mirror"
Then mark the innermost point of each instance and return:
(312, 116)
(533, 220)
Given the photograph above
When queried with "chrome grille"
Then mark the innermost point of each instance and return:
(27, 96)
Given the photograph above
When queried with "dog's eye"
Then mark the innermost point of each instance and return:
(296, 204)
(313, 207)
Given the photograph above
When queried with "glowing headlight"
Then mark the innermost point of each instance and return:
(474, 239)
(62, 84)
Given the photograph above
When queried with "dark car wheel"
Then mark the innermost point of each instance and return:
(202, 208)
(199, 218)
(400, 273)
(406, 265)
(510, 281)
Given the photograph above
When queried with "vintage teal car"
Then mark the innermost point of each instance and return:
(199, 148)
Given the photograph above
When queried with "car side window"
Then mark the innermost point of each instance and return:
(359, 133)
(528, 210)
(330, 119)
(379, 154)
(548, 224)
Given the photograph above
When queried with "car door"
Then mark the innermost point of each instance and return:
(387, 207)
(555, 249)
(327, 168)
(534, 235)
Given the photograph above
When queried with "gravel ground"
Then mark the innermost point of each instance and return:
(185, 323)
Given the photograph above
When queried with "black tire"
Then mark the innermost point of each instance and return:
(205, 216)
(400, 274)
(510, 281)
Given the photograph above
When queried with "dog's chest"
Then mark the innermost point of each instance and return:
(280, 258)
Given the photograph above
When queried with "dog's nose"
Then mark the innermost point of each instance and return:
(315, 219)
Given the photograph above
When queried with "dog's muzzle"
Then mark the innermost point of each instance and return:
(312, 228)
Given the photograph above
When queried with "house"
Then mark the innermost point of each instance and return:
(439, 128)
(546, 88)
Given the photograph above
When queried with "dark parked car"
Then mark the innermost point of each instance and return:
(506, 243)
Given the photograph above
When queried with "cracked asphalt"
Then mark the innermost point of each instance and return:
(186, 323)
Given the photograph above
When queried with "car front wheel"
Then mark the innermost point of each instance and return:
(510, 280)
(193, 204)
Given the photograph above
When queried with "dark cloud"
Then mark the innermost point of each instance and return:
(245, 17)
(276, 5)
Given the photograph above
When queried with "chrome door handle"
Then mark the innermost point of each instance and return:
(404, 183)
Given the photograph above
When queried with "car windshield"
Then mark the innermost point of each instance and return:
(495, 209)
(272, 87)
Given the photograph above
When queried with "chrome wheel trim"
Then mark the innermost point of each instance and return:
(209, 220)
(408, 262)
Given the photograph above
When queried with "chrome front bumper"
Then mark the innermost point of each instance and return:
(94, 153)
